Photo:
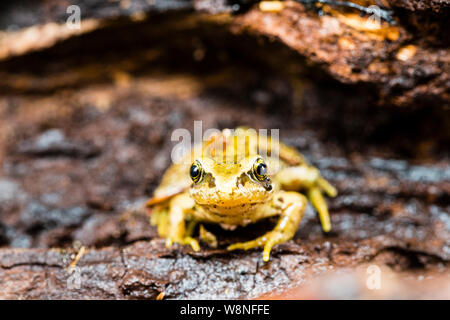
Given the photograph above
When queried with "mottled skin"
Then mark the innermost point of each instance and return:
(238, 179)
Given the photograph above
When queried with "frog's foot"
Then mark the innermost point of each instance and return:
(326, 187)
(183, 241)
(267, 241)
(292, 205)
(208, 237)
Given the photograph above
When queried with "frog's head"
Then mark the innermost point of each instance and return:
(230, 187)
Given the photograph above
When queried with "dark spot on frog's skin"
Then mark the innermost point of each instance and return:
(215, 206)
(280, 199)
(243, 205)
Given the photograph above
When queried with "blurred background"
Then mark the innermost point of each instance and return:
(90, 92)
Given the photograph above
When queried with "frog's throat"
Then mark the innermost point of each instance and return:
(230, 215)
(231, 209)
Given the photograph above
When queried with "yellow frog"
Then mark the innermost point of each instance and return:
(236, 178)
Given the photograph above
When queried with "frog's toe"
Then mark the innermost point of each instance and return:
(259, 242)
(256, 243)
(184, 241)
(208, 237)
(192, 242)
(169, 242)
(319, 203)
(327, 187)
(267, 243)
(268, 248)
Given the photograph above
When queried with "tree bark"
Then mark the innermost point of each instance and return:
(86, 118)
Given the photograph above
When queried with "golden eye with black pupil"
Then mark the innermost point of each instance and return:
(260, 170)
(196, 172)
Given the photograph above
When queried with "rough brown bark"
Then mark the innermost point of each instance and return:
(407, 63)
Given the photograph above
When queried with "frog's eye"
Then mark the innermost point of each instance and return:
(260, 170)
(196, 172)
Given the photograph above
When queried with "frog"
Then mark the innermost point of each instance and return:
(235, 178)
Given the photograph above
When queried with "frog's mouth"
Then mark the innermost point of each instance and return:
(245, 205)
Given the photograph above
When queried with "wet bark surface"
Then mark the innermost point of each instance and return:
(85, 131)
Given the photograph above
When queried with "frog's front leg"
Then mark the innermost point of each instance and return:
(290, 206)
(179, 207)
(308, 178)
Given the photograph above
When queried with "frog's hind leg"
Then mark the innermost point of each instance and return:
(308, 178)
(179, 207)
(292, 206)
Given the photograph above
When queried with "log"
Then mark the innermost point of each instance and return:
(406, 64)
